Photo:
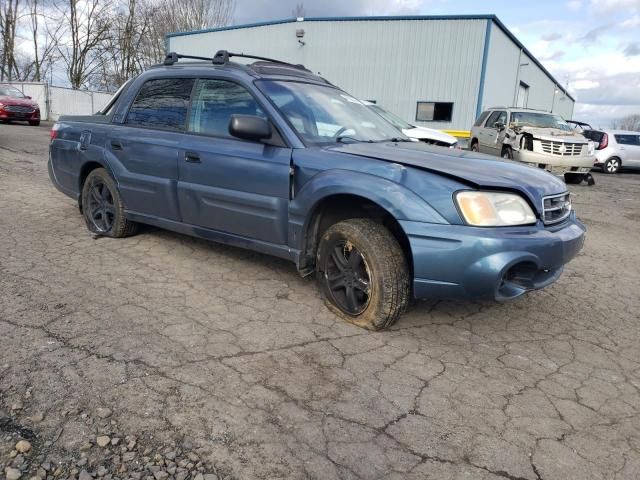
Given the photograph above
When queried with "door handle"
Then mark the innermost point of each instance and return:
(192, 157)
(116, 145)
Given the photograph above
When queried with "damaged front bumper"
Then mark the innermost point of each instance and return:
(557, 164)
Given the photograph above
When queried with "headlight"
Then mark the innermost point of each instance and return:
(493, 209)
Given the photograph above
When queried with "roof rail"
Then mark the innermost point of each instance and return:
(222, 57)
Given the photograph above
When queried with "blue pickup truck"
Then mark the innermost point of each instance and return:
(270, 157)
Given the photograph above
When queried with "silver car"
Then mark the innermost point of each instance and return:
(534, 137)
(615, 149)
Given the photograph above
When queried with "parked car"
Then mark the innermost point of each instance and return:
(422, 134)
(537, 138)
(16, 106)
(233, 153)
(615, 149)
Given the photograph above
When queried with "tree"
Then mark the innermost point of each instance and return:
(9, 15)
(88, 23)
(630, 122)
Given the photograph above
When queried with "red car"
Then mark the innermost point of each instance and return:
(15, 105)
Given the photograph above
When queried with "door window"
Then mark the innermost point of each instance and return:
(627, 139)
(213, 104)
(162, 103)
(496, 117)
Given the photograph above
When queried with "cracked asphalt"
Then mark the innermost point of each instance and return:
(232, 351)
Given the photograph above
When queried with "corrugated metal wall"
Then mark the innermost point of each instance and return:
(395, 63)
(507, 66)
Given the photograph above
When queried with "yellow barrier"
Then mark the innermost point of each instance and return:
(458, 133)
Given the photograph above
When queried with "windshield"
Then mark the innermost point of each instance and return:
(323, 115)
(540, 120)
(10, 92)
(391, 118)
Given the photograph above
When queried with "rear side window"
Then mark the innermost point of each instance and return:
(213, 104)
(483, 116)
(497, 117)
(624, 139)
(162, 103)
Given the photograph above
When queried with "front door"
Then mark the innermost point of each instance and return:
(227, 184)
(146, 147)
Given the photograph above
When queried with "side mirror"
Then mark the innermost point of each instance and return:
(249, 127)
(499, 125)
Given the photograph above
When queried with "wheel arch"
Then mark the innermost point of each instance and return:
(337, 207)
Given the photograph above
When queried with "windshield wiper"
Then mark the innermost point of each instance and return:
(394, 140)
(342, 138)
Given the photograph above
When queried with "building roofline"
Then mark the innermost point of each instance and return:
(491, 17)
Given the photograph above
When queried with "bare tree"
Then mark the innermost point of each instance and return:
(45, 38)
(630, 122)
(87, 24)
(9, 15)
(183, 15)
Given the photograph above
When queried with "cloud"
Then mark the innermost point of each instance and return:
(632, 49)
(550, 37)
(260, 10)
(631, 22)
(605, 7)
(574, 5)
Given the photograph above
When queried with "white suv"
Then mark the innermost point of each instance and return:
(534, 137)
(615, 149)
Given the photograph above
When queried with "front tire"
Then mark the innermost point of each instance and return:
(507, 153)
(612, 165)
(363, 273)
(102, 207)
(474, 146)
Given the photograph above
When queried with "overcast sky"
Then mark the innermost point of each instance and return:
(594, 45)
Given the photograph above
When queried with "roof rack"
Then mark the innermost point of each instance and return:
(222, 57)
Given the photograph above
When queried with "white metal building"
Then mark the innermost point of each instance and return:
(436, 71)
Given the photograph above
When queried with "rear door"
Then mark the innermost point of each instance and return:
(489, 133)
(629, 146)
(146, 147)
(227, 184)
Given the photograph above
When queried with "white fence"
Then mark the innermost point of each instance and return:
(56, 101)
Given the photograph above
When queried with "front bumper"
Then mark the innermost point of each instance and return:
(457, 261)
(556, 163)
(20, 116)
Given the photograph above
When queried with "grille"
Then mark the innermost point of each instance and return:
(561, 148)
(18, 109)
(556, 208)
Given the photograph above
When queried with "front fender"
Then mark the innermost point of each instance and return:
(400, 202)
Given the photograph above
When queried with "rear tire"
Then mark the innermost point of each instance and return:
(102, 206)
(507, 153)
(363, 273)
(612, 165)
(574, 178)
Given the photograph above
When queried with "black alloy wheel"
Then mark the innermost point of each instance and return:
(100, 206)
(347, 278)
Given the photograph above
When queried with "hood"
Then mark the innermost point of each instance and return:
(474, 169)
(430, 133)
(6, 100)
(554, 134)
